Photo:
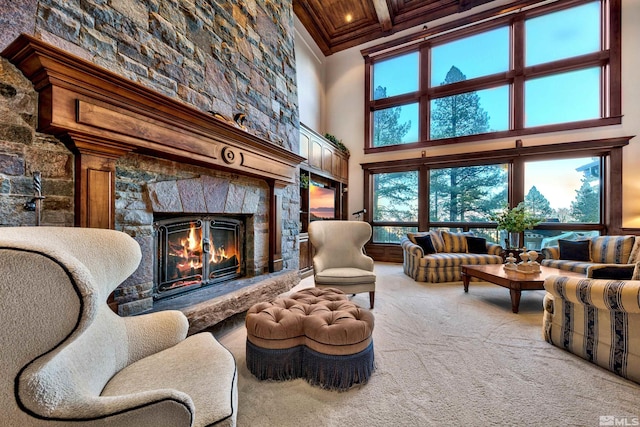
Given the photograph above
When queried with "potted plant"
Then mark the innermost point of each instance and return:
(338, 143)
(514, 221)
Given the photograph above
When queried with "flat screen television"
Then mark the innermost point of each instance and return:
(322, 202)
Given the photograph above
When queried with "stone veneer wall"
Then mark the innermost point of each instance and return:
(225, 56)
(24, 151)
(220, 56)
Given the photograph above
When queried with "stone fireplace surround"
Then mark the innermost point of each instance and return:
(111, 124)
(218, 197)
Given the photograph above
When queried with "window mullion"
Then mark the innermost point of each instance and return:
(425, 72)
(517, 89)
(423, 198)
(368, 125)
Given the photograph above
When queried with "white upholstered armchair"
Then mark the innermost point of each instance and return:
(67, 359)
(339, 261)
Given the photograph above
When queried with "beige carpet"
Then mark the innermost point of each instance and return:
(445, 358)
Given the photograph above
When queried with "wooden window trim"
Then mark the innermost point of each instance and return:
(609, 148)
(609, 59)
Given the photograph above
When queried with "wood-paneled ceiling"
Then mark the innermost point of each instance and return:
(336, 25)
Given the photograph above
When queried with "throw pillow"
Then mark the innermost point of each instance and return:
(611, 249)
(412, 236)
(455, 242)
(611, 272)
(426, 244)
(436, 239)
(574, 250)
(476, 245)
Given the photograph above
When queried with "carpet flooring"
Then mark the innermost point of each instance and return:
(445, 358)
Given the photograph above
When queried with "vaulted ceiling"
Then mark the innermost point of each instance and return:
(336, 25)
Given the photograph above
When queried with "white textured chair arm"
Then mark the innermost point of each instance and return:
(150, 333)
(172, 404)
(618, 295)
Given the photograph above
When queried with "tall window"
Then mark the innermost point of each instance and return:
(396, 121)
(499, 79)
(395, 205)
(564, 191)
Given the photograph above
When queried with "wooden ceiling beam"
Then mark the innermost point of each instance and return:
(384, 17)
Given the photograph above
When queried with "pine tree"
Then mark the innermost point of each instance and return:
(462, 194)
(400, 192)
(586, 206)
(458, 115)
(386, 127)
(537, 204)
(467, 193)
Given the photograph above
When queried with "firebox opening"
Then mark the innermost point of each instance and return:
(196, 251)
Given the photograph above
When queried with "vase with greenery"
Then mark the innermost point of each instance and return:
(514, 221)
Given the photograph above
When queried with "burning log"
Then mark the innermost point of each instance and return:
(226, 263)
(180, 284)
(188, 269)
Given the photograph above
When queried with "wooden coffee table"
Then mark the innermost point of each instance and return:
(515, 281)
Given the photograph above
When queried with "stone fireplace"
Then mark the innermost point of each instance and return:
(145, 164)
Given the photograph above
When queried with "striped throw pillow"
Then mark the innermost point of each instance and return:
(455, 242)
(611, 249)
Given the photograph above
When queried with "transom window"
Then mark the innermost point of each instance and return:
(498, 78)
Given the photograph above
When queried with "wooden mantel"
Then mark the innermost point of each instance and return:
(101, 116)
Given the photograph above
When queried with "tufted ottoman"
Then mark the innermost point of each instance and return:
(316, 334)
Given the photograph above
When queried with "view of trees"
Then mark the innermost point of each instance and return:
(586, 206)
(386, 127)
(466, 194)
(396, 197)
(458, 115)
(537, 204)
(463, 194)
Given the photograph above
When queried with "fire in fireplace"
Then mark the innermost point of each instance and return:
(192, 252)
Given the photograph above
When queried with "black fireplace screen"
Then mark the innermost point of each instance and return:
(194, 252)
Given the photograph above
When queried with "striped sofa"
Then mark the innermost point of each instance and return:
(596, 319)
(603, 250)
(451, 251)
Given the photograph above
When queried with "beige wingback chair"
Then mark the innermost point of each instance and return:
(67, 359)
(339, 261)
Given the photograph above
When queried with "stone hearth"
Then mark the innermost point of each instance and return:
(209, 306)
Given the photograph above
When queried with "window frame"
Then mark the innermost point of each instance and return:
(608, 59)
(609, 150)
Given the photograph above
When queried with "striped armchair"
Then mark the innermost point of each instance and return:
(596, 319)
(450, 251)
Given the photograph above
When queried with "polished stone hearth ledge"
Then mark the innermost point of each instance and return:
(210, 305)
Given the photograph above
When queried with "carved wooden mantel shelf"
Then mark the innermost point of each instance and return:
(102, 116)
